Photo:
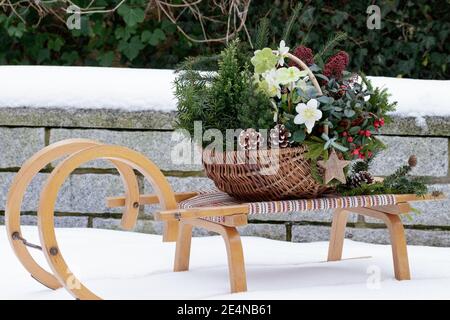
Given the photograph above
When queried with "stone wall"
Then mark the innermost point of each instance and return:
(81, 201)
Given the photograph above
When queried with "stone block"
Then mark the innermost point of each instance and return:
(432, 213)
(19, 144)
(60, 222)
(265, 230)
(87, 118)
(158, 146)
(432, 156)
(180, 185)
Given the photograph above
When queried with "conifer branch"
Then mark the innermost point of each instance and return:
(331, 43)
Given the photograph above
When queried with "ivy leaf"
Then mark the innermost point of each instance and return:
(339, 17)
(158, 36)
(168, 26)
(123, 33)
(69, 57)
(146, 35)
(44, 54)
(154, 37)
(55, 44)
(131, 16)
(17, 31)
(106, 59)
(131, 48)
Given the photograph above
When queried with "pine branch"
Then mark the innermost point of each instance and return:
(315, 171)
(262, 34)
(397, 175)
(292, 19)
(331, 43)
(359, 166)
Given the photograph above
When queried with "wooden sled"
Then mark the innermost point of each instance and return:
(180, 212)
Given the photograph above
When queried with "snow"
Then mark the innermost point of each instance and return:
(86, 87)
(152, 89)
(125, 265)
(415, 97)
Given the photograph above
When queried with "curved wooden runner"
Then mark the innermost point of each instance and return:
(49, 196)
(21, 182)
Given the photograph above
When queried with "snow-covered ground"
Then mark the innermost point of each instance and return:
(124, 265)
(152, 89)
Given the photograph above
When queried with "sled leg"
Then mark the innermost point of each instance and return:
(183, 247)
(336, 244)
(399, 247)
(397, 237)
(235, 253)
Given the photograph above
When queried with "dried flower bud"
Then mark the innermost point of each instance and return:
(303, 53)
(412, 161)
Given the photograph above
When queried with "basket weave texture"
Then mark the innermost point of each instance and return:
(264, 174)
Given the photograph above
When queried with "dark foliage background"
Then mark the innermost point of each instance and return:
(413, 41)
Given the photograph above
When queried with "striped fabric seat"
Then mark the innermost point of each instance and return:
(215, 198)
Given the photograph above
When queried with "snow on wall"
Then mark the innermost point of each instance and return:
(417, 98)
(86, 87)
(152, 89)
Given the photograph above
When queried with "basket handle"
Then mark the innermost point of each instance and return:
(311, 76)
(305, 67)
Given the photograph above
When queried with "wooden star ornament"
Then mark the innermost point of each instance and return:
(334, 168)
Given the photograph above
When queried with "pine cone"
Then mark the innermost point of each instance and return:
(357, 179)
(250, 139)
(412, 161)
(279, 136)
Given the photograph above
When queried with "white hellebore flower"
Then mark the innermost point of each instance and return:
(308, 114)
(301, 84)
(288, 75)
(282, 51)
(273, 88)
(270, 76)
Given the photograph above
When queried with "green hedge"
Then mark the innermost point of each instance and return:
(413, 41)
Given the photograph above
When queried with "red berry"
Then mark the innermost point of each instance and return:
(355, 152)
(376, 123)
(382, 121)
(369, 154)
(367, 133)
(344, 134)
(361, 156)
(361, 132)
(349, 139)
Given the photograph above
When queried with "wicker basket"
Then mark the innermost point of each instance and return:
(265, 174)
